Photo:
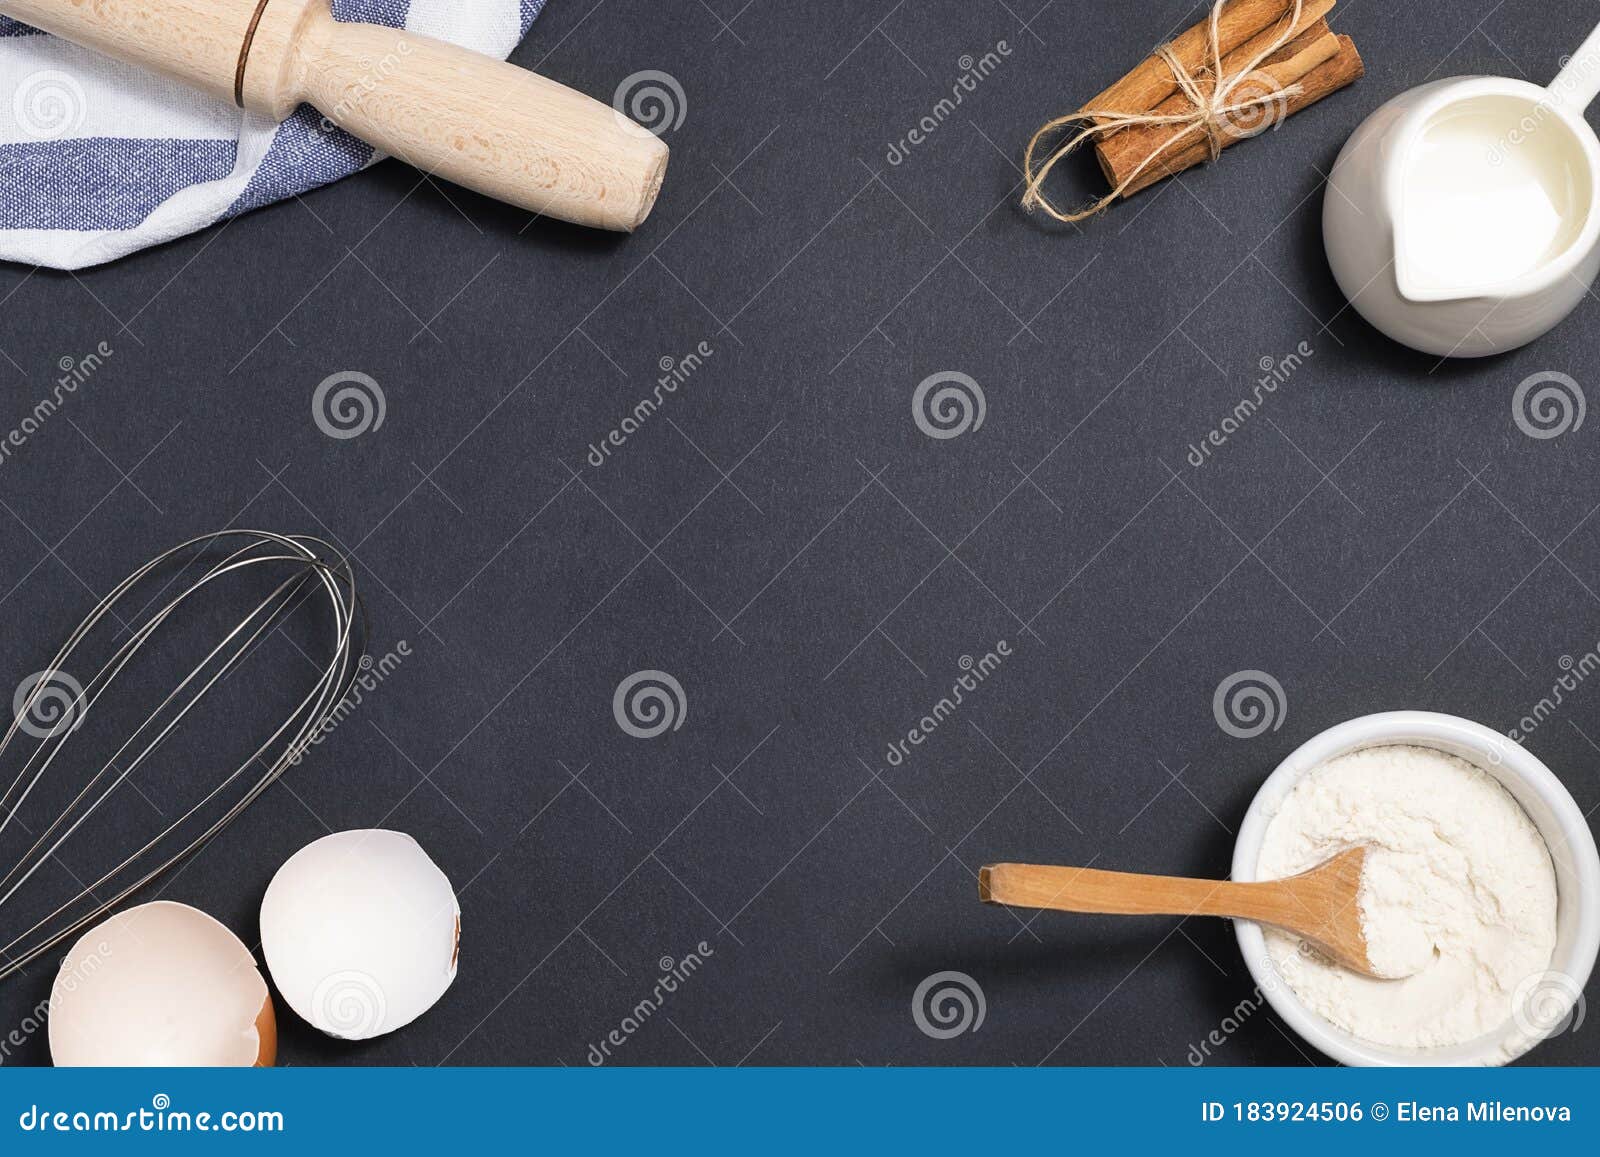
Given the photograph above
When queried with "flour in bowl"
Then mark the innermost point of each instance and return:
(1458, 896)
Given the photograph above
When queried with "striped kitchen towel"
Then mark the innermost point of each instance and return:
(99, 159)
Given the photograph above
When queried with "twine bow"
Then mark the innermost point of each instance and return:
(1211, 114)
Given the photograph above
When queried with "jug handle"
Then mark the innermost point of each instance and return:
(1578, 83)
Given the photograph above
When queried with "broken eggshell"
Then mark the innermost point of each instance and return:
(360, 931)
(161, 984)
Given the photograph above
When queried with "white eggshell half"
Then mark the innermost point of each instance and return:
(360, 931)
(161, 984)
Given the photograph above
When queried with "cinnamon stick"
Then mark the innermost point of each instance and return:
(1241, 25)
(1317, 61)
(1288, 65)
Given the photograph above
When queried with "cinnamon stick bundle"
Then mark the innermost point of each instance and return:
(1317, 61)
(1238, 72)
(1244, 25)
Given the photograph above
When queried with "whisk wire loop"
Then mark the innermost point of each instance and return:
(315, 570)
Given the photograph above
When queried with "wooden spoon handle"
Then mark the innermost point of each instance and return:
(1320, 905)
(1134, 894)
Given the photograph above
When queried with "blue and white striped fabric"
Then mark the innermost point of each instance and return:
(99, 159)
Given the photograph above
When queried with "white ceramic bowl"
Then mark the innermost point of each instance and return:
(1530, 782)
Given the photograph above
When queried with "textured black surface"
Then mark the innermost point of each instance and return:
(784, 540)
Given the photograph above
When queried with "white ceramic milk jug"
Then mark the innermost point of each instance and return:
(1462, 217)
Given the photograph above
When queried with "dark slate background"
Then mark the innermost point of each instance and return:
(785, 541)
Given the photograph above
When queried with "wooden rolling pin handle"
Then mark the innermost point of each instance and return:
(491, 126)
(480, 122)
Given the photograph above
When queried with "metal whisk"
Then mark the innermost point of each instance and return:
(56, 716)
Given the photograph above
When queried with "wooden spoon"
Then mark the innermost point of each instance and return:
(1320, 905)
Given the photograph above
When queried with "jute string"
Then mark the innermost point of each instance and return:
(1210, 114)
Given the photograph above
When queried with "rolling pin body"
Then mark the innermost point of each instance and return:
(491, 126)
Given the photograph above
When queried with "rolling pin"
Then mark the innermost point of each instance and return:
(483, 123)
